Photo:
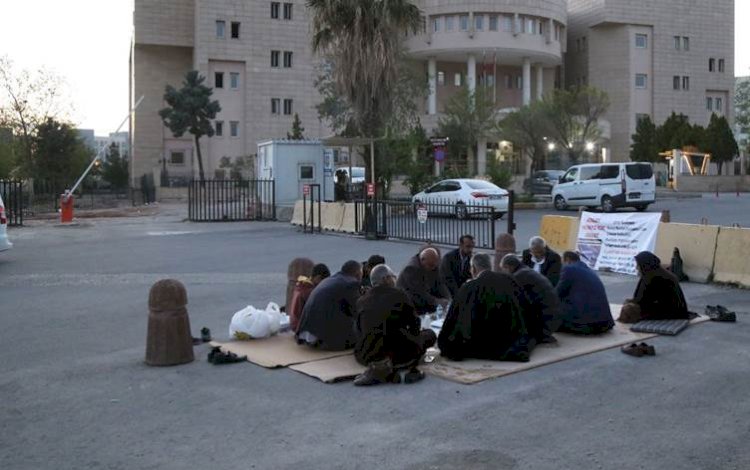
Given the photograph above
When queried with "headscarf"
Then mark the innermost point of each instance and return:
(647, 261)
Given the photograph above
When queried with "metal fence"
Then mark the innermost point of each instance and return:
(231, 200)
(12, 195)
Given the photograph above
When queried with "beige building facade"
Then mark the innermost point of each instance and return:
(653, 58)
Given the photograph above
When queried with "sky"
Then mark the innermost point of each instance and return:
(87, 42)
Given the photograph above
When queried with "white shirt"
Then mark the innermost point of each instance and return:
(538, 262)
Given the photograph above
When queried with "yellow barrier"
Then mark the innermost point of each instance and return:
(347, 222)
(697, 244)
(332, 216)
(561, 233)
(732, 262)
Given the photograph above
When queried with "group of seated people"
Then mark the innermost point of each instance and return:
(499, 315)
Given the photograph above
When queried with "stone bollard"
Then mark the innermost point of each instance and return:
(298, 267)
(665, 217)
(169, 340)
(505, 244)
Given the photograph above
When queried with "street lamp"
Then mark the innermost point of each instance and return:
(590, 146)
(551, 146)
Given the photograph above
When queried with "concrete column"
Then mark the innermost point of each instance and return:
(482, 157)
(432, 97)
(471, 73)
(539, 81)
(526, 81)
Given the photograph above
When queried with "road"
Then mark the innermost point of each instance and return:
(76, 393)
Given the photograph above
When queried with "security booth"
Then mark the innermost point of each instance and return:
(293, 165)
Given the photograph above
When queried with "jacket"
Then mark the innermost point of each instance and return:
(540, 303)
(300, 294)
(422, 287)
(329, 312)
(551, 267)
(583, 297)
(453, 272)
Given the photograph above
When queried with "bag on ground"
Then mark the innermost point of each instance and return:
(252, 323)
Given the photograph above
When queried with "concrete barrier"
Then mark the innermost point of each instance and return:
(298, 218)
(697, 244)
(348, 224)
(297, 215)
(732, 263)
(560, 232)
(332, 216)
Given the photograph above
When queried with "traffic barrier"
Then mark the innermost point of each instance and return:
(297, 215)
(332, 216)
(348, 224)
(732, 263)
(697, 244)
(560, 232)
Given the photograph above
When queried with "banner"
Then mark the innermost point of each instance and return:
(611, 241)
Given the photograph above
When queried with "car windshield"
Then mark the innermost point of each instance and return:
(479, 184)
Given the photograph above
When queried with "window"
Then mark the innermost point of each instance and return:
(508, 82)
(441, 78)
(235, 30)
(519, 25)
(275, 58)
(589, 173)
(685, 43)
(288, 11)
(219, 128)
(275, 106)
(676, 82)
(449, 23)
(287, 107)
(677, 43)
(641, 80)
(685, 83)
(719, 105)
(177, 158)
(457, 79)
(287, 59)
(639, 171)
(463, 22)
(220, 27)
(709, 104)
(640, 117)
(641, 41)
(571, 175)
(557, 32)
(275, 10)
(721, 65)
(493, 23)
(219, 80)
(540, 27)
(490, 80)
(306, 172)
(234, 128)
(519, 82)
(608, 172)
(584, 45)
(436, 25)
(234, 80)
(507, 24)
(479, 22)
(529, 26)
(712, 65)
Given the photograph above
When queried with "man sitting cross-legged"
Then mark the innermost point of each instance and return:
(388, 329)
(585, 308)
(485, 319)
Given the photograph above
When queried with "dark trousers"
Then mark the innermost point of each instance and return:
(409, 357)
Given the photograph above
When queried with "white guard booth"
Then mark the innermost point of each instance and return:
(294, 164)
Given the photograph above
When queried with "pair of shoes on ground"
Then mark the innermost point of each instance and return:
(639, 350)
(217, 357)
(383, 372)
(720, 313)
(205, 337)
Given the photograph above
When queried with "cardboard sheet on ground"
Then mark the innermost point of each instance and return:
(331, 370)
(277, 351)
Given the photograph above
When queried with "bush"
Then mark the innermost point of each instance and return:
(418, 176)
(499, 174)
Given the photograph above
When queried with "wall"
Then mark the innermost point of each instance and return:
(164, 22)
(708, 184)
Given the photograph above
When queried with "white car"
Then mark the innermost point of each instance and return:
(463, 197)
(5, 244)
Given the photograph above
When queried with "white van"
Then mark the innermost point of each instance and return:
(606, 185)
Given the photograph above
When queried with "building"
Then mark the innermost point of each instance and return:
(88, 138)
(255, 55)
(119, 139)
(653, 58)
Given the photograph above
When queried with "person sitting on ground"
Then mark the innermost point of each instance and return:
(389, 334)
(328, 317)
(658, 295)
(585, 308)
(297, 267)
(485, 319)
(541, 307)
(302, 291)
(421, 282)
(455, 269)
(543, 260)
(367, 266)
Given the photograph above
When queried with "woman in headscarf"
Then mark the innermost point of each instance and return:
(658, 295)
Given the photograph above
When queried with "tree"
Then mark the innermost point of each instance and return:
(115, 168)
(527, 129)
(191, 110)
(742, 106)
(59, 153)
(572, 117)
(719, 141)
(297, 129)
(644, 148)
(674, 132)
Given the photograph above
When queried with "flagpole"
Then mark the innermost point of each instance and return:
(494, 73)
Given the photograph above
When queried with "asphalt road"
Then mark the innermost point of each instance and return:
(76, 393)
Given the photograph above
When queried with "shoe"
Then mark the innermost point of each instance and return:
(720, 313)
(548, 339)
(215, 351)
(647, 349)
(633, 350)
(413, 376)
(227, 358)
(205, 335)
(377, 373)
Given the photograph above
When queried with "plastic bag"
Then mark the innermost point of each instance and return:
(252, 323)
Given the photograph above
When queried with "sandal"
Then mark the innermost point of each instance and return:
(633, 350)
(720, 313)
(647, 349)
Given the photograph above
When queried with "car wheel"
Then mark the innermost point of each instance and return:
(560, 203)
(641, 208)
(607, 204)
(461, 212)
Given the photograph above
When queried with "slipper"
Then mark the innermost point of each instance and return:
(215, 351)
(633, 350)
(228, 358)
(647, 349)
(205, 335)
(720, 313)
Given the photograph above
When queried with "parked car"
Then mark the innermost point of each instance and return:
(463, 197)
(609, 186)
(357, 176)
(542, 182)
(5, 244)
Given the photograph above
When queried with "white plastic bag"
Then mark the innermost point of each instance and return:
(251, 323)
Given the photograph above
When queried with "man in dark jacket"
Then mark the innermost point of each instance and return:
(541, 307)
(421, 282)
(455, 268)
(585, 307)
(389, 333)
(543, 260)
(485, 319)
(328, 316)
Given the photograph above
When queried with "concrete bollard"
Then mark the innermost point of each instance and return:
(665, 217)
(505, 244)
(169, 340)
(298, 267)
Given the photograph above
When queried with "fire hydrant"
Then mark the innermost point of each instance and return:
(66, 208)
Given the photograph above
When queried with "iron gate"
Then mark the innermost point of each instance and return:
(231, 200)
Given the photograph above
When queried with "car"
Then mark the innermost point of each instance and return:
(606, 185)
(542, 182)
(463, 197)
(5, 244)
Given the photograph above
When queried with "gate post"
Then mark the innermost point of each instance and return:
(511, 212)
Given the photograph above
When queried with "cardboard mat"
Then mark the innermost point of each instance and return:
(331, 370)
(277, 351)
